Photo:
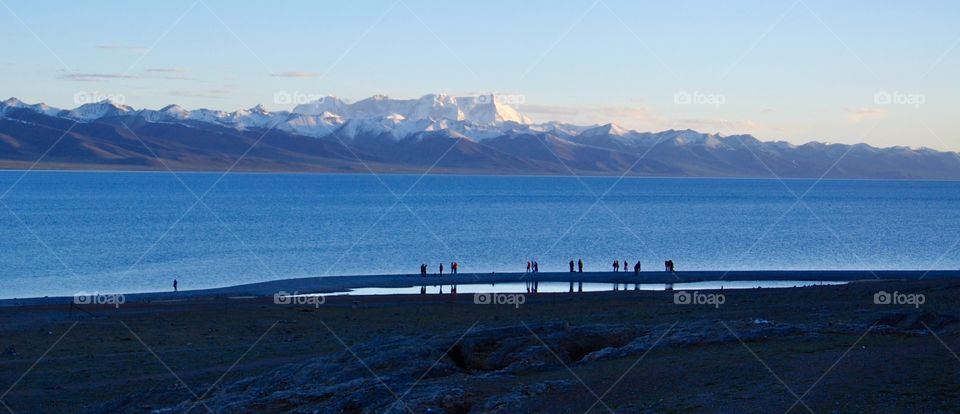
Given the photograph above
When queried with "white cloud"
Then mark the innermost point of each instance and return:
(168, 70)
(295, 74)
(90, 77)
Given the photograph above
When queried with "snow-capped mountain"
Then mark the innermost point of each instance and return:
(442, 132)
(14, 103)
(477, 117)
(96, 110)
(479, 109)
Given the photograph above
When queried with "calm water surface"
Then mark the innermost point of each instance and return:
(70, 231)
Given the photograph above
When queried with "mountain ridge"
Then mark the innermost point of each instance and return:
(441, 133)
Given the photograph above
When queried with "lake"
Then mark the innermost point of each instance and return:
(65, 232)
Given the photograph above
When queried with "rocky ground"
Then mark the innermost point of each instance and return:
(817, 349)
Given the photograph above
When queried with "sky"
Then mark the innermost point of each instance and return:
(880, 72)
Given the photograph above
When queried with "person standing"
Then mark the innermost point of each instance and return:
(625, 266)
(536, 267)
(441, 268)
(175, 285)
(580, 265)
(571, 265)
(616, 266)
(454, 266)
(528, 266)
(636, 269)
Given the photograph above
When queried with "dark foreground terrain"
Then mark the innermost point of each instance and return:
(816, 349)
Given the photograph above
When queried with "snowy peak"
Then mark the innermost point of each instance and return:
(435, 107)
(173, 109)
(97, 110)
(604, 130)
(256, 117)
(491, 109)
(327, 104)
(14, 103)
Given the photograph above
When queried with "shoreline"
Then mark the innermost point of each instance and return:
(340, 284)
(456, 173)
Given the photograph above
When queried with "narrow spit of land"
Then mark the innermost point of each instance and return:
(332, 284)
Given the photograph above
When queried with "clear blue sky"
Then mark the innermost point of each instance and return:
(793, 70)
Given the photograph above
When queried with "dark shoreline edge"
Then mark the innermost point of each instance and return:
(334, 284)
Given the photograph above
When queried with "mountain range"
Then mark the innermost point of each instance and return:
(439, 133)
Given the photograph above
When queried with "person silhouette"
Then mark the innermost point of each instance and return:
(571, 265)
(175, 285)
(441, 269)
(580, 265)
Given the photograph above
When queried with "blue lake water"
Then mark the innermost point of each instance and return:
(128, 232)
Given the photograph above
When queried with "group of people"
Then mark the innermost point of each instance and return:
(454, 268)
(534, 267)
(626, 266)
(617, 266)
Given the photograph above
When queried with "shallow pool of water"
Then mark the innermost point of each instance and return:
(560, 287)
